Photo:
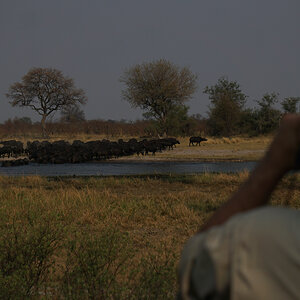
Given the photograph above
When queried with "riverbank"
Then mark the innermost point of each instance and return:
(215, 149)
(116, 236)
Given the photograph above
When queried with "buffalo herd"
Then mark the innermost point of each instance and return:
(59, 152)
(78, 152)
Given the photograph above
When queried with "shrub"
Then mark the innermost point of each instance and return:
(155, 275)
(27, 246)
(94, 264)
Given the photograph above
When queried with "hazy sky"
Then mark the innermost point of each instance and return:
(253, 42)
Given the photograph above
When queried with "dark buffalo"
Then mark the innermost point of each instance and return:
(11, 148)
(169, 143)
(14, 163)
(196, 140)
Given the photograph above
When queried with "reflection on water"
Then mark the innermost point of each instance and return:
(128, 168)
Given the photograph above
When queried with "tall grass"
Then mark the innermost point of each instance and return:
(106, 237)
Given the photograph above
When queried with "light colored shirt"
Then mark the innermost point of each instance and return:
(254, 255)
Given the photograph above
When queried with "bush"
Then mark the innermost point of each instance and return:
(94, 264)
(155, 275)
(27, 246)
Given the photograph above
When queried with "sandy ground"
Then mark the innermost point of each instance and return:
(200, 154)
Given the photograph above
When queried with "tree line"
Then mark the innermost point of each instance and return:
(24, 127)
(161, 89)
(228, 114)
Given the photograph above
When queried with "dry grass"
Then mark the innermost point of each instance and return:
(157, 213)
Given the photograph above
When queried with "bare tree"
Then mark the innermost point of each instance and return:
(45, 90)
(158, 87)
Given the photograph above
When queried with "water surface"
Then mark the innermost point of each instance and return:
(128, 168)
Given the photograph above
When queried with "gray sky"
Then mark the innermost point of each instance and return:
(253, 42)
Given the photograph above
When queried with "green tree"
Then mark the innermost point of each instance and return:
(267, 116)
(248, 122)
(45, 90)
(227, 102)
(289, 104)
(158, 88)
(178, 121)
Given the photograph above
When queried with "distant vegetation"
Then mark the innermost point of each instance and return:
(46, 91)
(25, 128)
(161, 89)
(229, 116)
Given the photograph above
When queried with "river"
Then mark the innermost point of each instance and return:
(109, 168)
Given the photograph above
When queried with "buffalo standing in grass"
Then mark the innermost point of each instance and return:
(196, 140)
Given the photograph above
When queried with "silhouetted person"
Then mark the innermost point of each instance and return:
(247, 249)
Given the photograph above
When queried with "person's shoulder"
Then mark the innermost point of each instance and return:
(268, 214)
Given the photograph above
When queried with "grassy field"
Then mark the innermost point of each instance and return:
(106, 237)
